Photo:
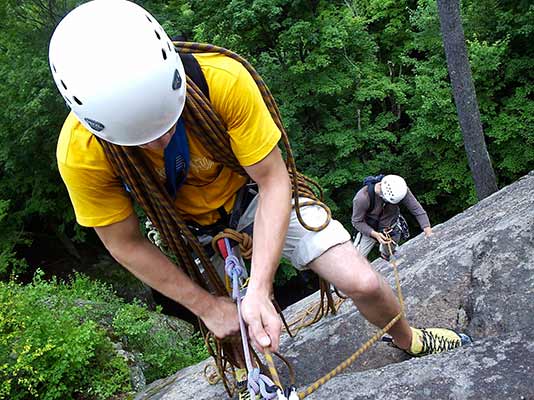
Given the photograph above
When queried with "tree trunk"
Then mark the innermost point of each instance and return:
(465, 98)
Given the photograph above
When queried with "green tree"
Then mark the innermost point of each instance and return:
(323, 67)
(33, 200)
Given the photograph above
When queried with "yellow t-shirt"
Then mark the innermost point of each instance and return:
(97, 194)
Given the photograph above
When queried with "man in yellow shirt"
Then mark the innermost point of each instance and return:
(118, 72)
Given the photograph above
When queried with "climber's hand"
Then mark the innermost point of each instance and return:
(264, 325)
(380, 237)
(220, 317)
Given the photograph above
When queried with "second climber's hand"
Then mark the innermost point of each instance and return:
(380, 237)
(264, 324)
(221, 318)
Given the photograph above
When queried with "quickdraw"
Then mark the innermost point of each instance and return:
(257, 383)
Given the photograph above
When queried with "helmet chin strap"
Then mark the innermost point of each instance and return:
(378, 191)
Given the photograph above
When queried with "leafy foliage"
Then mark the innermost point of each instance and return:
(55, 341)
(31, 115)
(48, 351)
(163, 351)
(363, 88)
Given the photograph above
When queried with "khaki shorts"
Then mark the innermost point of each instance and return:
(302, 246)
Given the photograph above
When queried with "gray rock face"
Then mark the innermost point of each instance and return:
(476, 274)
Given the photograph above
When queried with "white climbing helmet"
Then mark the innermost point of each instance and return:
(118, 71)
(393, 188)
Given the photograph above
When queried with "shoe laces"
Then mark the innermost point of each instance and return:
(242, 390)
(436, 343)
(244, 395)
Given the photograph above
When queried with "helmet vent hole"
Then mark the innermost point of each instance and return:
(54, 68)
(147, 17)
(77, 100)
(63, 84)
(97, 126)
(67, 100)
(157, 35)
(169, 46)
(164, 54)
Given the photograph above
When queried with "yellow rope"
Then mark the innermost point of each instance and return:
(345, 364)
(393, 262)
(349, 361)
(272, 368)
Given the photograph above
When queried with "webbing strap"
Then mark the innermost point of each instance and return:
(256, 383)
(176, 156)
(193, 71)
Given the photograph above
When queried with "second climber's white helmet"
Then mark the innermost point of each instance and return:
(118, 71)
(393, 188)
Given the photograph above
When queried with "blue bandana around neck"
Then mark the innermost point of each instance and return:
(177, 159)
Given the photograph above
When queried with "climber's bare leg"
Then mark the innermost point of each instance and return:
(350, 272)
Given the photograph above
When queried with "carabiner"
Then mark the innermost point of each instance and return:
(280, 395)
(291, 393)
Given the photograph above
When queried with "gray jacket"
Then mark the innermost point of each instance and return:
(383, 215)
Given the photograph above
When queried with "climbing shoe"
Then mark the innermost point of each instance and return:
(435, 340)
(242, 385)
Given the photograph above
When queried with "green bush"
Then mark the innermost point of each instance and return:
(163, 351)
(47, 351)
(55, 341)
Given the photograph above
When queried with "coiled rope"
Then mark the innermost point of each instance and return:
(130, 163)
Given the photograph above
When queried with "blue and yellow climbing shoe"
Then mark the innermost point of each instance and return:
(435, 340)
